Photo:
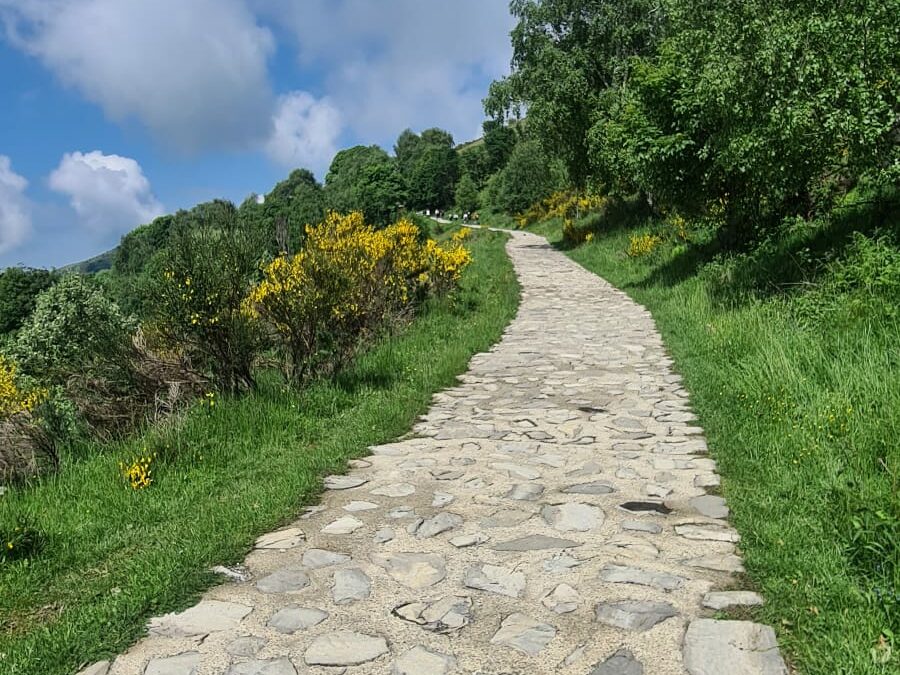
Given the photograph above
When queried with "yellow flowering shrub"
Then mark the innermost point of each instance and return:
(138, 472)
(16, 398)
(462, 234)
(565, 204)
(640, 245)
(322, 302)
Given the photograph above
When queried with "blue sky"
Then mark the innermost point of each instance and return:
(115, 111)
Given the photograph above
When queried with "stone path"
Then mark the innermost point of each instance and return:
(550, 514)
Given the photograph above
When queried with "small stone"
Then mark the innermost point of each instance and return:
(281, 540)
(641, 526)
(593, 488)
(506, 518)
(626, 473)
(643, 507)
(290, 579)
(395, 490)
(413, 570)
(464, 540)
(633, 615)
(186, 663)
(292, 618)
(573, 517)
(384, 535)
(620, 663)
(620, 574)
(442, 499)
(207, 616)
(344, 525)
(516, 471)
(712, 647)
(438, 524)
(654, 490)
(719, 563)
(350, 585)
(279, 666)
(494, 579)
(344, 482)
(706, 480)
(238, 573)
(355, 506)
(525, 492)
(720, 600)
(316, 558)
(344, 648)
(535, 542)
(707, 532)
(99, 668)
(633, 547)
(401, 512)
(710, 506)
(422, 661)
(561, 564)
(524, 633)
(246, 646)
(446, 615)
(447, 474)
(575, 655)
(562, 600)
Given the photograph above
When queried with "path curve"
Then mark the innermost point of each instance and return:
(495, 539)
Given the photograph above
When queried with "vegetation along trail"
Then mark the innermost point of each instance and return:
(549, 514)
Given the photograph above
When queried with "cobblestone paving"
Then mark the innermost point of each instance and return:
(550, 514)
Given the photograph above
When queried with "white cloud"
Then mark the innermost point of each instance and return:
(305, 131)
(109, 193)
(193, 72)
(15, 209)
(389, 65)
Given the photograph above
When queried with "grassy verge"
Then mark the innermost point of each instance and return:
(803, 417)
(113, 556)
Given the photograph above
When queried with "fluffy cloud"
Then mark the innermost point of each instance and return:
(305, 131)
(109, 193)
(15, 211)
(390, 65)
(194, 73)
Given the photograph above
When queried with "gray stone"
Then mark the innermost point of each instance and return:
(395, 490)
(438, 524)
(494, 579)
(446, 615)
(279, 666)
(506, 518)
(99, 668)
(707, 532)
(238, 573)
(413, 570)
(593, 488)
(735, 647)
(464, 540)
(641, 526)
(246, 646)
(620, 574)
(645, 507)
(631, 547)
(207, 616)
(633, 615)
(524, 633)
(343, 525)
(344, 482)
(562, 599)
(573, 517)
(620, 663)
(356, 506)
(401, 512)
(719, 563)
(316, 558)
(561, 564)
(350, 585)
(384, 535)
(344, 648)
(705, 480)
(281, 540)
(422, 661)
(720, 600)
(186, 663)
(710, 506)
(442, 499)
(654, 490)
(516, 471)
(525, 492)
(535, 542)
(290, 579)
(292, 618)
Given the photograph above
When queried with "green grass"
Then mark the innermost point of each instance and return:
(804, 420)
(114, 557)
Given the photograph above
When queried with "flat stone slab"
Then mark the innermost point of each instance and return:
(316, 558)
(344, 482)
(422, 661)
(281, 540)
(465, 540)
(524, 633)
(494, 579)
(446, 615)
(292, 618)
(718, 563)
(292, 579)
(344, 648)
(562, 599)
(620, 663)
(350, 585)
(413, 570)
(517, 471)
(592, 488)
(442, 522)
(360, 505)
(573, 517)
(186, 663)
(711, 506)
(620, 574)
(344, 525)
(525, 492)
(713, 647)
(279, 666)
(633, 615)
(720, 600)
(707, 532)
(207, 616)
(535, 542)
(245, 646)
(641, 526)
(395, 490)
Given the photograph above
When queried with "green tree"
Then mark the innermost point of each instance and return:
(474, 161)
(283, 213)
(429, 167)
(527, 178)
(365, 178)
(19, 290)
(467, 194)
(499, 141)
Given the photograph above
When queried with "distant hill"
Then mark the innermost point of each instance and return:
(98, 263)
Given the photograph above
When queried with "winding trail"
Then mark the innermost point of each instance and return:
(550, 514)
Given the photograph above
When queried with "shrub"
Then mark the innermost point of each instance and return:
(640, 245)
(209, 265)
(24, 446)
(19, 290)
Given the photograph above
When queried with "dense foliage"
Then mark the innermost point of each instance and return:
(19, 289)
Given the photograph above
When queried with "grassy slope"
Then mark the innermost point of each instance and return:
(804, 425)
(115, 557)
